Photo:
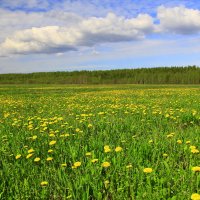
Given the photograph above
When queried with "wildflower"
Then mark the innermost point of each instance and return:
(129, 166)
(37, 159)
(18, 156)
(106, 183)
(50, 151)
(195, 196)
(64, 165)
(49, 159)
(30, 151)
(195, 151)
(88, 154)
(147, 170)
(150, 141)
(165, 155)
(34, 137)
(196, 169)
(89, 125)
(51, 135)
(29, 155)
(44, 183)
(94, 160)
(179, 141)
(118, 149)
(52, 142)
(77, 164)
(107, 149)
(187, 142)
(77, 130)
(105, 164)
(169, 136)
(192, 147)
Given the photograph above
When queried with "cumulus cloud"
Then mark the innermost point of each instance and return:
(58, 31)
(10, 21)
(180, 20)
(88, 32)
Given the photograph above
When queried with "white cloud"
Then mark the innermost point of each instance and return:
(88, 32)
(179, 20)
(10, 21)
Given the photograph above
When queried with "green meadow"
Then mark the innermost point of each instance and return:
(109, 142)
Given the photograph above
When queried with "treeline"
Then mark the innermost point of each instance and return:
(162, 75)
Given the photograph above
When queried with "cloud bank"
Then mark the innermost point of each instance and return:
(88, 32)
(58, 32)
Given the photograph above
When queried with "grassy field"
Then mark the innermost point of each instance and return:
(100, 142)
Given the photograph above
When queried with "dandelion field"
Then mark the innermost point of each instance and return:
(100, 142)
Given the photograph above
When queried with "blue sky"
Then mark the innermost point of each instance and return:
(47, 35)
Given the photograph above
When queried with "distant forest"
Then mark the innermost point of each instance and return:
(160, 75)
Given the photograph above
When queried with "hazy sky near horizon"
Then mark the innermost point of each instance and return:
(50, 35)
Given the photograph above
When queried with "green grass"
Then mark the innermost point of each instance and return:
(138, 118)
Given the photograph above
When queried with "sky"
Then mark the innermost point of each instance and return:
(68, 35)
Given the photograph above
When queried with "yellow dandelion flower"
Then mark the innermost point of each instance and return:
(50, 151)
(62, 135)
(89, 125)
(30, 151)
(107, 149)
(192, 147)
(44, 183)
(105, 164)
(129, 166)
(188, 142)
(179, 141)
(37, 159)
(77, 164)
(169, 136)
(51, 135)
(106, 183)
(165, 155)
(150, 141)
(34, 137)
(49, 159)
(147, 170)
(94, 160)
(64, 165)
(88, 154)
(196, 169)
(195, 151)
(195, 196)
(52, 142)
(18, 156)
(77, 130)
(29, 155)
(118, 149)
